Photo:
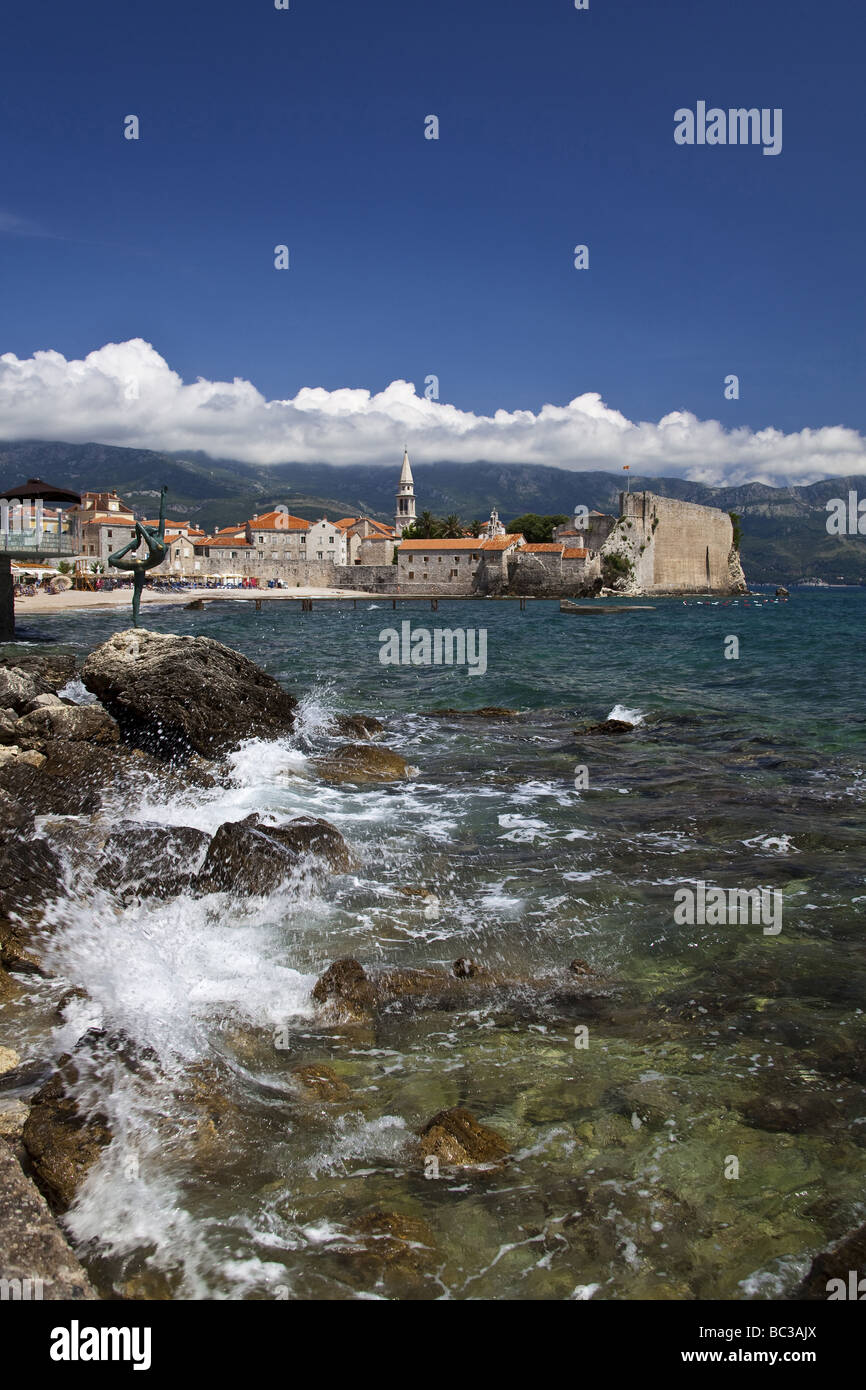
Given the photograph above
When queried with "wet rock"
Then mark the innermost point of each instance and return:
(13, 1117)
(359, 725)
(486, 712)
(311, 835)
(45, 702)
(62, 1144)
(14, 817)
(581, 968)
(845, 1262)
(346, 987)
(321, 1081)
(250, 857)
(782, 592)
(71, 723)
(361, 762)
(150, 858)
(176, 695)
(17, 689)
(8, 988)
(789, 1113)
(353, 994)
(31, 1244)
(467, 969)
(8, 731)
(76, 777)
(345, 983)
(9, 1059)
(71, 781)
(30, 876)
(607, 726)
(49, 671)
(650, 1103)
(394, 1239)
(457, 1139)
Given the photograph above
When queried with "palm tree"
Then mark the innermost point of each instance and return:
(475, 528)
(452, 528)
(426, 526)
(65, 567)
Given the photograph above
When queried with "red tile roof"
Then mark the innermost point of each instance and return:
(575, 552)
(547, 547)
(501, 542)
(278, 521)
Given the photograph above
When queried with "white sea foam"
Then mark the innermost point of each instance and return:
(75, 690)
(627, 716)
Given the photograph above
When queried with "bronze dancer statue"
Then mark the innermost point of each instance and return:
(154, 539)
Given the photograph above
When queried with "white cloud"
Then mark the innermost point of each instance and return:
(125, 393)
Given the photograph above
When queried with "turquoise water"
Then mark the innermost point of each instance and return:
(713, 1042)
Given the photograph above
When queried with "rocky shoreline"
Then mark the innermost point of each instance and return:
(165, 712)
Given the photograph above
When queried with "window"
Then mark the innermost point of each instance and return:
(261, 540)
(319, 555)
(411, 574)
(331, 539)
(453, 574)
(303, 540)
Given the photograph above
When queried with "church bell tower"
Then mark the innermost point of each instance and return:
(405, 514)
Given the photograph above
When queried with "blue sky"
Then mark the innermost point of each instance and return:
(453, 257)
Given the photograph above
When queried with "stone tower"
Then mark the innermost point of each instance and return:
(405, 514)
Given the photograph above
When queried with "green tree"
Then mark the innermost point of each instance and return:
(538, 530)
(425, 528)
(452, 527)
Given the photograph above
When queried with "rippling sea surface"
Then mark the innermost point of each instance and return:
(712, 1050)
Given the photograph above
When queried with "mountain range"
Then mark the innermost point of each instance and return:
(784, 530)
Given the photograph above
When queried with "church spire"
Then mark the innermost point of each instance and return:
(405, 514)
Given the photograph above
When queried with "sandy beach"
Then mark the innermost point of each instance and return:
(75, 600)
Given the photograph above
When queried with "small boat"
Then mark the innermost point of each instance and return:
(566, 606)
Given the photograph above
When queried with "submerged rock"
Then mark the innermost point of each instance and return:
(789, 1112)
(362, 762)
(321, 1081)
(62, 1144)
(359, 725)
(486, 712)
(607, 726)
(250, 857)
(456, 1139)
(347, 990)
(392, 1238)
(176, 695)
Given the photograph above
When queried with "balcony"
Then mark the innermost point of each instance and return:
(36, 544)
